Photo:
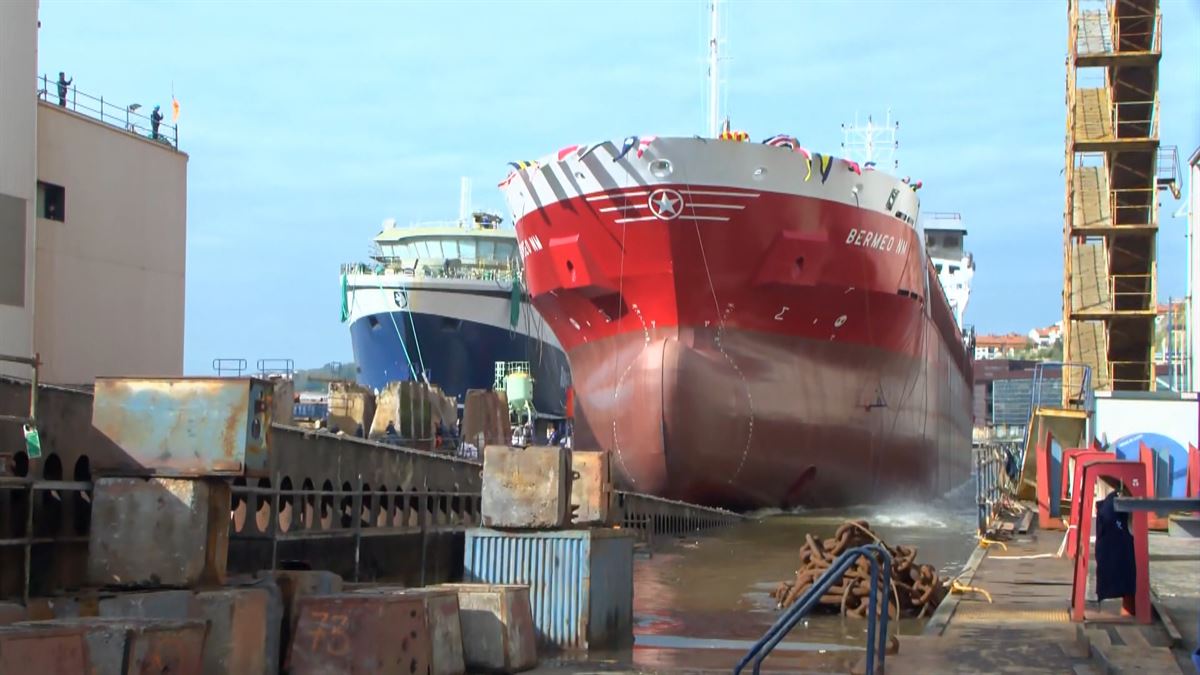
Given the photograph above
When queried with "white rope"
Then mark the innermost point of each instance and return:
(1061, 548)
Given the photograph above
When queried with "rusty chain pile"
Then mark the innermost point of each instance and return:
(915, 590)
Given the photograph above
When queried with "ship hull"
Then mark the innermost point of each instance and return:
(767, 332)
(454, 334)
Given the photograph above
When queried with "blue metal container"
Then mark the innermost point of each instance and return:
(187, 426)
(580, 581)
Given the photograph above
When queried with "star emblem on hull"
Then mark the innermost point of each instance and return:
(665, 204)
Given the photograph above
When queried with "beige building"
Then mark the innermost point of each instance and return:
(98, 209)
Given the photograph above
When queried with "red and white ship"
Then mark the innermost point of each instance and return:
(747, 324)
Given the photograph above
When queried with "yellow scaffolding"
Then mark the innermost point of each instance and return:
(1111, 215)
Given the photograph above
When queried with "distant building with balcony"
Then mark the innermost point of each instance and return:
(1000, 346)
(92, 225)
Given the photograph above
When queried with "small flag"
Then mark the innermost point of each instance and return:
(524, 164)
(643, 144)
(562, 154)
(782, 141)
(869, 166)
(853, 166)
(917, 186)
(630, 143)
(174, 109)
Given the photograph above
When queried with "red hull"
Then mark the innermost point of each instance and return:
(770, 349)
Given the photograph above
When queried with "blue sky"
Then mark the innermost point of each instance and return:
(309, 123)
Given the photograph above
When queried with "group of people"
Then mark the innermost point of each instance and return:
(64, 83)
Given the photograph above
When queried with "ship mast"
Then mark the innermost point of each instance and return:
(871, 142)
(464, 202)
(714, 86)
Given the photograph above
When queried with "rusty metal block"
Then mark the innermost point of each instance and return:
(158, 532)
(526, 487)
(294, 585)
(187, 426)
(360, 633)
(441, 616)
(591, 487)
(42, 650)
(237, 641)
(497, 627)
(134, 646)
(11, 612)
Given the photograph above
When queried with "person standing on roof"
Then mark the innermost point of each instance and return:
(63, 83)
(156, 117)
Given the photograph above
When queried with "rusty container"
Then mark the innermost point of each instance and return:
(187, 426)
(360, 634)
(526, 487)
(42, 650)
(580, 581)
(591, 488)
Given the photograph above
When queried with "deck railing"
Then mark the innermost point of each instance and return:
(124, 116)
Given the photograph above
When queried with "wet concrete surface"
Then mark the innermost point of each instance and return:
(700, 602)
(1175, 579)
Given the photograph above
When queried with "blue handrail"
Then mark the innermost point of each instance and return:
(879, 557)
(1084, 395)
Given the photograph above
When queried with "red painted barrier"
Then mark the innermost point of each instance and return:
(1146, 455)
(1076, 485)
(1045, 520)
(1193, 471)
(1133, 476)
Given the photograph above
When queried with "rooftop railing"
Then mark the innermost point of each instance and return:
(127, 116)
(467, 272)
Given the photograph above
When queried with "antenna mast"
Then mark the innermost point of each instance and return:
(714, 112)
(872, 142)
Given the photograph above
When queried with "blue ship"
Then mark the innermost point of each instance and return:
(444, 303)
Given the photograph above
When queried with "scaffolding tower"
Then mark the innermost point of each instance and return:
(1113, 175)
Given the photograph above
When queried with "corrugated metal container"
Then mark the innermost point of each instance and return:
(580, 581)
(187, 426)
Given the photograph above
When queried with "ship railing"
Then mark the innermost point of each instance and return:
(877, 615)
(267, 368)
(122, 116)
(462, 272)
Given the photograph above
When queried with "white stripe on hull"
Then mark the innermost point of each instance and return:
(752, 167)
(449, 300)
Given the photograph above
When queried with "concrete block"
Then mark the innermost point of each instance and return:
(526, 487)
(591, 487)
(350, 406)
(150, 605)
(360, 633)
(128, 646)
(293, 586)
(158, 532)
(237, 641)
(42, 650)
(497, 627)
(11, 612)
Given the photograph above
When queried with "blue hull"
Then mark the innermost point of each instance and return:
(458, 355)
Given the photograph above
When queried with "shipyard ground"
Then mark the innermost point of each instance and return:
(1024, 629)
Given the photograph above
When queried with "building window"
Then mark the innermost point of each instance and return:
(51, 201)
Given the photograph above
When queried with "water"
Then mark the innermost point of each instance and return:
(717, 587)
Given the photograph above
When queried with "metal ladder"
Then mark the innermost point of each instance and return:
(881, 574)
